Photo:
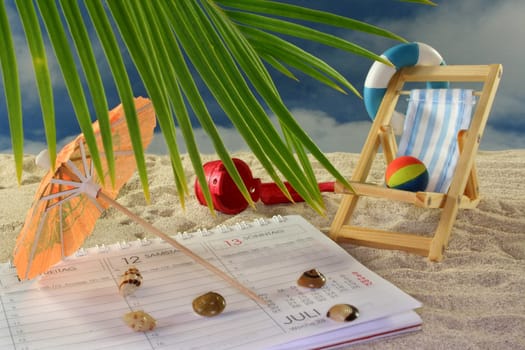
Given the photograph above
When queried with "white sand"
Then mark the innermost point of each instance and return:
(474, 299)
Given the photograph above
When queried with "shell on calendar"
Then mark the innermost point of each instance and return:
(140, 321)
(343, 313)
(209, 304)
(312, 279)
(129, 281)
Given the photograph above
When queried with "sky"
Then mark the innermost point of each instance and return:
(463, 32)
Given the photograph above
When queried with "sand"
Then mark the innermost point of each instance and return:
(473, 299)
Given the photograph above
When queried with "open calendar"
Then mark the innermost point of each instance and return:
(76, 304)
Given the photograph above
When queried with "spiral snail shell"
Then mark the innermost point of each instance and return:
(312, 279)
(129, 281)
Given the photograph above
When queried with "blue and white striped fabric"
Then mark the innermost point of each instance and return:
(433, 120)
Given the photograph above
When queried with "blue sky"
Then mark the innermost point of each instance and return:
(464, 32)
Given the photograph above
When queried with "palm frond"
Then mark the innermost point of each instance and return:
(12, 90)
(117, 66)
(228, 43)
(57, 35)
(35, 42)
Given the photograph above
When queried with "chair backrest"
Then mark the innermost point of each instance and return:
(433, 120)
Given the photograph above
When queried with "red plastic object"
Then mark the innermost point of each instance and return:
(229, 200)
(225, 195)
(270, 193)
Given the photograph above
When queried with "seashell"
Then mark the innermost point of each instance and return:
(312, 279)
(139, 321)
(343, 313)
(129, 281)
(209, 304)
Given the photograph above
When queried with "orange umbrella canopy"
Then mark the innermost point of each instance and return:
(66, 208)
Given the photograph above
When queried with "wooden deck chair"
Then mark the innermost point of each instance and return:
(460, 191)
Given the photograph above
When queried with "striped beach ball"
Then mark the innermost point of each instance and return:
(407, 173)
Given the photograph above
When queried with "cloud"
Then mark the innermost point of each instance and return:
(231, 138)
(329, 134)
(326, 132)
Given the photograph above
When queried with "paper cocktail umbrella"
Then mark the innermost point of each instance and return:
(71, 198)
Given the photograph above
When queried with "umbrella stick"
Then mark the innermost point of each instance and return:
(248, 292)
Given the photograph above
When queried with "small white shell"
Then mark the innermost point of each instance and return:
(343, 313)
(130, 281)
(139, 321)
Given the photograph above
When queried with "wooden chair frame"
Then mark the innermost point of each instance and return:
(463, 191)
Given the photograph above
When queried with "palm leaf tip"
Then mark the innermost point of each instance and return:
(424, 2)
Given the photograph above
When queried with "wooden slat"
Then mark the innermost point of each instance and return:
(372, 190)
(462, 73)
(409, 242)
(472, 187)
(421, 199)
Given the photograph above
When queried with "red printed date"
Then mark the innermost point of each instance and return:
(233, 242)
(365, 281)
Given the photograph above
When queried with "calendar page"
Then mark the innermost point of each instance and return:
(76, 304)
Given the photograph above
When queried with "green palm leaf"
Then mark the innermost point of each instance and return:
(35, 42)
(228, 43)
(12, 90)
(94, 80)
(136, 38)
(116, 63)
(297, 12)
(57, 35)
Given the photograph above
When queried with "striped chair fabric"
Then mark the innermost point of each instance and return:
(433, 120)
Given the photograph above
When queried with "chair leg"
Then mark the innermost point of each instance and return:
(472, 187)
(344, 214)
(444, 228)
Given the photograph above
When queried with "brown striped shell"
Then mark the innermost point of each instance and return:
(129, 281)
(209, 304)
(140, 321)
(312, 279)
(343, 313)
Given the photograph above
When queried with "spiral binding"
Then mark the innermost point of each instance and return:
(81, 252)
(241, 226)
(144, 242)
(202, 232)
(102, 248)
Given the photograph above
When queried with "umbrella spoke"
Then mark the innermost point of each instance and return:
(96, 203)
(91, 170)
(63, 200)
(76, 171)
(66, 182)
(84, 159)
(35, 242)
(61, 231)
(67, 194)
